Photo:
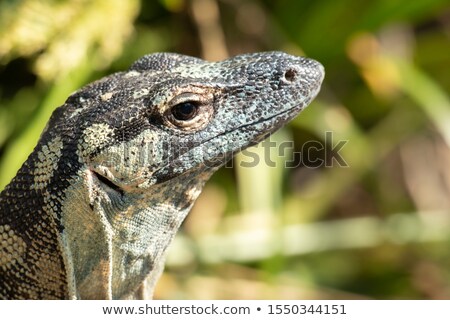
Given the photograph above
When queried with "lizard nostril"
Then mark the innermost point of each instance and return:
(290, 75)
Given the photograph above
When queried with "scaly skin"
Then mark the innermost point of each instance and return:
(93, 209)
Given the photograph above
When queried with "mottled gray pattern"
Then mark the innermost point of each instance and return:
(92, 211)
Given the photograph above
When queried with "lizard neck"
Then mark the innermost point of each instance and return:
(30, 215)
(112, 247)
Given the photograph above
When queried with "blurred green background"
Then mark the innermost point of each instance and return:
(378, 228)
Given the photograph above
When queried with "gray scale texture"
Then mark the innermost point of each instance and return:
(91, 212)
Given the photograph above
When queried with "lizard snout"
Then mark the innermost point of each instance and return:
(302, 71)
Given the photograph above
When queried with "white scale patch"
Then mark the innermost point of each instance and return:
(48, 163)
(140, 93)
(96, 136)
(107, 96)
(132, 73)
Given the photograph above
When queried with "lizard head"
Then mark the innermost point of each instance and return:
(171, 114)
(140, 144)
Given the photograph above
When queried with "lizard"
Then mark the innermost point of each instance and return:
(92, 211)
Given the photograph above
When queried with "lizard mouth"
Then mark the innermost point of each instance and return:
(281, 118)
(278, 118)
(165, 173)
(106, 183)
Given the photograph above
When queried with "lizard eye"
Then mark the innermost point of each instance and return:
(184, 111)
(189, 111)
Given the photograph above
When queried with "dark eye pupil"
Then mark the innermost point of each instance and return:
(184, 111)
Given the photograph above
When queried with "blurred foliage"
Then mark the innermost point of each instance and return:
(378, 227)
